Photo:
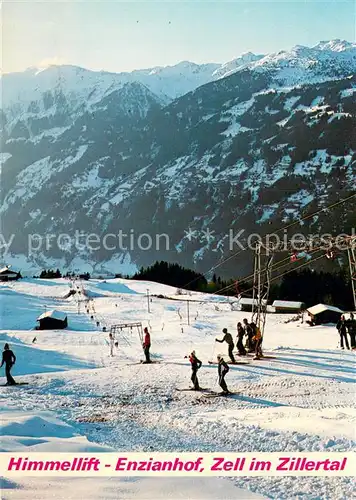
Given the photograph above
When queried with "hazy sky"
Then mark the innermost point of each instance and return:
(122, 36)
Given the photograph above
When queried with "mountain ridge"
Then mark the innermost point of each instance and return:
(211, 71)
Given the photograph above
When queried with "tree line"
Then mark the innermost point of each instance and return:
(308, 286)
(53, 274)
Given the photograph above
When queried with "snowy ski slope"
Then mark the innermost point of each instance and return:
(80, 399)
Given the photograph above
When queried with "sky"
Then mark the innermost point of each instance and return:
(123, 36)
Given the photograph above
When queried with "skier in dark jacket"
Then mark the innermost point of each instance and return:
(223, 368)
(351, 328)
(9, 358)
(228, 339)
(249, 332)
(342, 328)
(196, 364)
(240, 336)
(147, 345)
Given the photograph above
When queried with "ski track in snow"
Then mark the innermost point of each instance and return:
(303, 400)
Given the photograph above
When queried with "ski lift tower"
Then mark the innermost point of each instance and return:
(349, 245)
(261, 285)
(351, 252)
(263, 260)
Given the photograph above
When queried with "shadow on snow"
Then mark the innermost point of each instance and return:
(31, 360)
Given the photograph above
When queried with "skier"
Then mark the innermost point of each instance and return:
(239, 344)
(351, 328)
(223, 368)
(9, 358)
(111, 344)
(196, 364)
(341, 326)
(253, 334)
(249, 334)
(147, 345)
(258, 343)
(228, 339)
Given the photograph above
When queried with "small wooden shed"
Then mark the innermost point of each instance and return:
(6, 274)
(245, 304)
(322, 314)
(52, 320)
(288, 306)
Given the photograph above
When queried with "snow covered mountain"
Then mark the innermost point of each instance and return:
(247, 145)
(236, 64)
(175, 81)
(34, 91)
(327, 60)
(84, 87)
(300, 65)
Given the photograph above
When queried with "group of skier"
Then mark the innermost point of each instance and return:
(252, 344)
(223, 368)
(344, 327)
(253, 340)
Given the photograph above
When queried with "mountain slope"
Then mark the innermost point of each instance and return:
(244, 152)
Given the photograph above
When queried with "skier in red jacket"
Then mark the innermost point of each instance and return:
(196, 364)
(147, 345)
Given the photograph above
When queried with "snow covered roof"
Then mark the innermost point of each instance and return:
(288, 304)
(7, 270)
(54, 315)
(248, 302)
(319, 308)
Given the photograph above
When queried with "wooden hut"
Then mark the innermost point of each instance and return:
(52, 320)
(246, 304)
(288, 306)
(322, 314)
(6, 274)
